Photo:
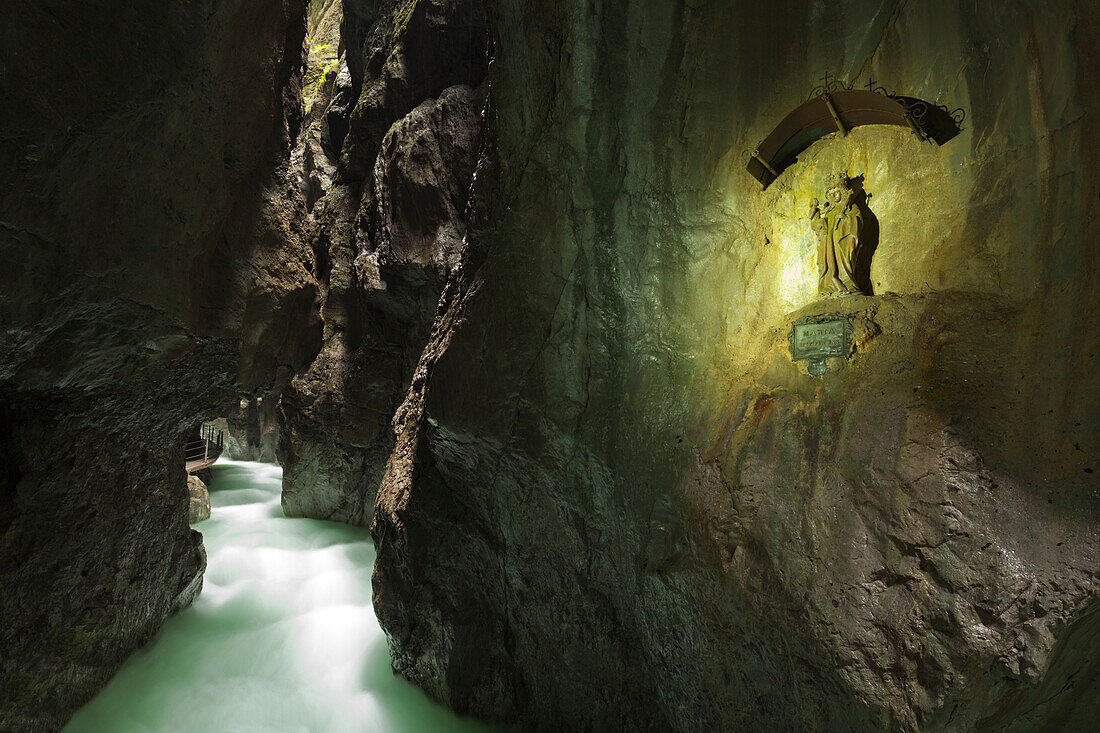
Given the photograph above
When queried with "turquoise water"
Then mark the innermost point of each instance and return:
(283, 636)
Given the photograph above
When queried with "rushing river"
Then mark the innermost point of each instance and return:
(282, 638)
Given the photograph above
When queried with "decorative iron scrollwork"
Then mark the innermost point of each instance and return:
(829, 85)
(918, 108)
(835, 107)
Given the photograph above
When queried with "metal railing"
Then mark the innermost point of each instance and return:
(201, 452)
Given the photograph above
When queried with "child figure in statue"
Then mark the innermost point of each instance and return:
(837, 226)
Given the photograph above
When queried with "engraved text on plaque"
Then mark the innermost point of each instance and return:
(816, 338)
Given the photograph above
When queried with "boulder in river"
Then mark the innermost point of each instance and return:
(198, 507)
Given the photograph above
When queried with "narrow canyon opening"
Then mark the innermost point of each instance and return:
(556, 364)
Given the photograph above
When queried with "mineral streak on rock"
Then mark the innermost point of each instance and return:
(615, 503)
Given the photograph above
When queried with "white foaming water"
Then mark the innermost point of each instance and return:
(283, 636)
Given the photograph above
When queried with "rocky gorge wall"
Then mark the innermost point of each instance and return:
(401, 131)
(537, 305)
(615, 502)
(253, 431)
(154, 271)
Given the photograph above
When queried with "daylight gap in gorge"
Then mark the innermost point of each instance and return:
(710, 365)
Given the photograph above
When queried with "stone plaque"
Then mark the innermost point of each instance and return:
(816, 338)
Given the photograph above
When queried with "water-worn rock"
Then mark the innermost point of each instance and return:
(615, 503)
(253, 431)
(198, 507)
(154, 270)
(389, 241)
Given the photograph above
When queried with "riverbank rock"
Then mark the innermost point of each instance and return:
(199, 500)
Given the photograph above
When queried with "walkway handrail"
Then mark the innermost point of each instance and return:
(200, 453)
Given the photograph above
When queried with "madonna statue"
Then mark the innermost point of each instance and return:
(838, 225)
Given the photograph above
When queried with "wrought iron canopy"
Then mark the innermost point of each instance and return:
(840, 111)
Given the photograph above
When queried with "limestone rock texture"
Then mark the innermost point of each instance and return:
(254, 431)
(198, 507)
(614, 503)
(403, 132)
(153, 270)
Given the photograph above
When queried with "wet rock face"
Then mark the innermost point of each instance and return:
(254, 431)
(198, 507)
(943, 574)
(422, 182)
(154, 270)
(615, 502)
(400, 53)
(390, 233)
